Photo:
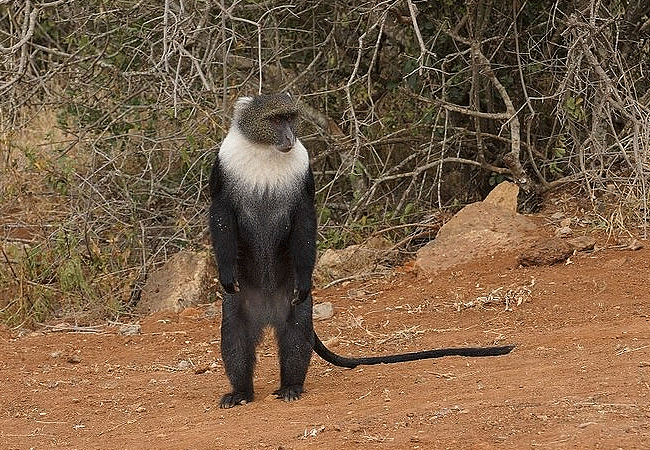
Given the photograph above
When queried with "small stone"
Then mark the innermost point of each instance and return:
(183, 365)
(323, 311)
(131, 329)
(563, 232)
(545, 253)
(582, 243)
(74, 359)
(201, 370)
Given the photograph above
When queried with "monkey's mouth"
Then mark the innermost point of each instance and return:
(284, 148)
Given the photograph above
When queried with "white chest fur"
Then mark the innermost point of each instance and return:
(262, 167)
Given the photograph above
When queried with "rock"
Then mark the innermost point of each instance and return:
(546, 253)
(480, 217)
(202, 369)
(582, 243)
(353, 260)
(563, 232)
(479, 229)
(504, 195)
(183, 281)
(323, 311)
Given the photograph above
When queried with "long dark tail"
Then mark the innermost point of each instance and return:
(351, 363)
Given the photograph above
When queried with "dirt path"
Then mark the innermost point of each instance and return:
(579, 377)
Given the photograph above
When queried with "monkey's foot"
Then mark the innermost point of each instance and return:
(235, 398)
(289, 393)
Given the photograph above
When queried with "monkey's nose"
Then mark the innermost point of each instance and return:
(286, 143)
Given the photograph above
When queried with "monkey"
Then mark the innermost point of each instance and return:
(262, 221)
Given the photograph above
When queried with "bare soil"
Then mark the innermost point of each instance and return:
(578, 378)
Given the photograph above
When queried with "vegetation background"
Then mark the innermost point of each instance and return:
(111, 112)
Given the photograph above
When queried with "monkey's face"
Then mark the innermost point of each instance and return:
(269, 120)
(284, 126)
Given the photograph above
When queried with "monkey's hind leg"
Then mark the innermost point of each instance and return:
(295, 338)
(238, 340)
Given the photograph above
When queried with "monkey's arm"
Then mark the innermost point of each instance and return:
(303, 241)
(223, 231)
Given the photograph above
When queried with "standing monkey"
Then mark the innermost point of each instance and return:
(263, 229)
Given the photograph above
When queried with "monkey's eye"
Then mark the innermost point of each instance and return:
(281, 119)
(275, 121)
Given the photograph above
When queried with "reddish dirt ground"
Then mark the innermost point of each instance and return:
(578, 378)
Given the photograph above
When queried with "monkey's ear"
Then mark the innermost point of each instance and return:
(241, 103)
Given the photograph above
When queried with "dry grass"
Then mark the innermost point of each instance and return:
(507, 298)
(412, 109)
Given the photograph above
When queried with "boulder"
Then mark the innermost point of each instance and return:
(504, 195)
(335, 264)
(183, 281)
(479, 229)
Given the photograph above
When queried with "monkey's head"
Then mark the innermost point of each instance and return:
(268, 119)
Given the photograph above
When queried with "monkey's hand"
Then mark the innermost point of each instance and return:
(231, 288)
(299, 296)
